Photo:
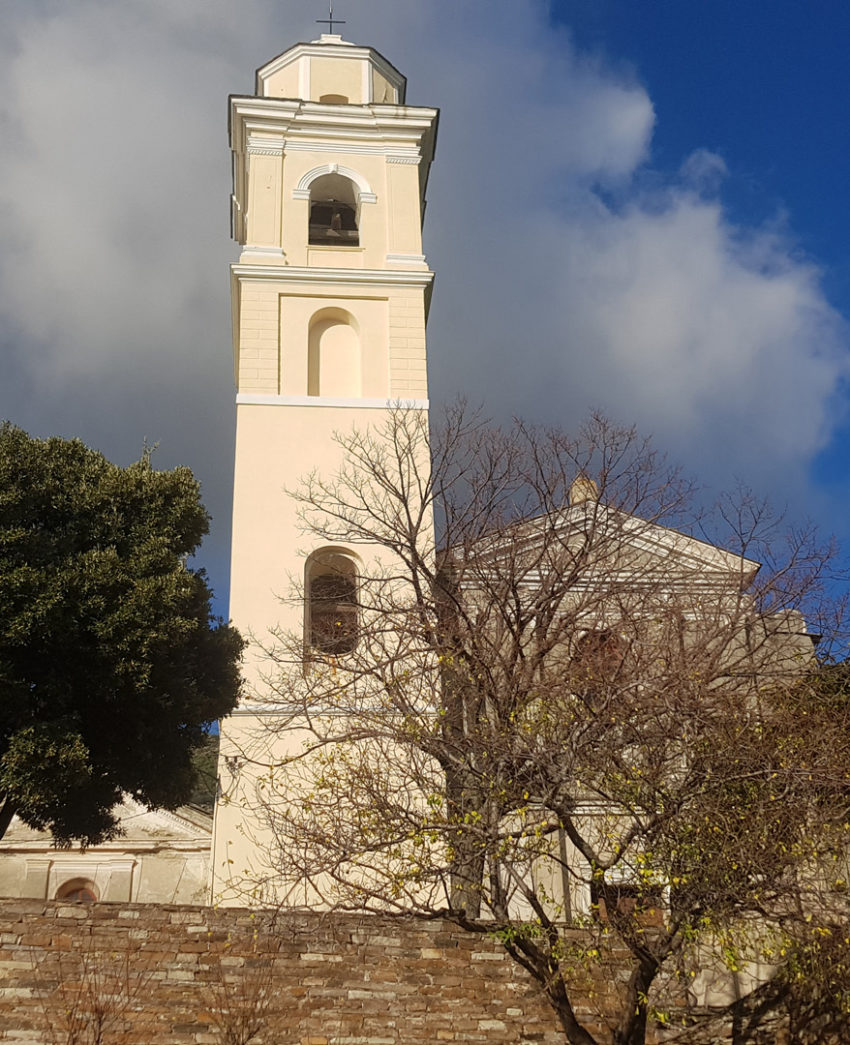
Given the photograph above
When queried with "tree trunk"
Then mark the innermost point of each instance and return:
(544, 968)
(576, 1034)
(468, 860)
(7, 811)
(632, 1028)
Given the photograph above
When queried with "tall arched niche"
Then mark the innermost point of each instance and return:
(334, 356)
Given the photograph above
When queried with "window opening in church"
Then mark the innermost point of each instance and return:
(624, 902)
(333, 212)
(597, 664)
(332, 604)
(334, 99)
(77, 891)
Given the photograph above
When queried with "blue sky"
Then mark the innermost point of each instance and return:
(636, 206)
(767, 86)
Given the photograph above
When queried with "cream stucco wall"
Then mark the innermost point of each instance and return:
(278, 187)
(274, 320)
(327, 339)
(275, 448)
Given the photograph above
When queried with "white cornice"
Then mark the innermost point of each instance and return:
(393, 153)
(259, 146)
(281, 710)
(634, 534)
(282, 113)
(244, 104)
(333, 276)
(263, 399)
(406, 259)
(261, 251)
(264, 122)
(99, 853)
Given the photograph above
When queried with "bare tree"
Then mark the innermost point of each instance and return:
(88, 996)
(572, 726)
(243, 999)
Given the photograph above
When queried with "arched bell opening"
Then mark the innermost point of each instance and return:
(334, 218)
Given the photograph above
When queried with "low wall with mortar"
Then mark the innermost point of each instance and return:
(165, 975)
(137, 974)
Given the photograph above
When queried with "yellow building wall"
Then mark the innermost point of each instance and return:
(326, 340)
(353, 75)
(274, 344)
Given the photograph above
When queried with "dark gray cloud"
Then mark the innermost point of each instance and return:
(567, 279)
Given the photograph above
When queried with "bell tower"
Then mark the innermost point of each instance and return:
(330, 298)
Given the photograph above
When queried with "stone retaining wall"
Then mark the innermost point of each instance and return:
(168, 973)
(144, 974)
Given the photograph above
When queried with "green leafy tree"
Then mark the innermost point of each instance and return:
(111, 663)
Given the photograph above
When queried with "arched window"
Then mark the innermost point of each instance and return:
(598, 664)
(627, 904)
(333, 212)
(334, 99)
(77, 890)
(332, 603)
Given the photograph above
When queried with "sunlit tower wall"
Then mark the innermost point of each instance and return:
(330, 297)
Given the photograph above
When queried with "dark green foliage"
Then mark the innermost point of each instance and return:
(205, 761)
(110, 661)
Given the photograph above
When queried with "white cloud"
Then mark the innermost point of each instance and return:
(704, 170)
(563, 281)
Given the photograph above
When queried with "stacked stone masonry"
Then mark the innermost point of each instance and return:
(174, 975)
(310, 979)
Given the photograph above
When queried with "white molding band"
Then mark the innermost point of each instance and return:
(340, 148)
(407, 259)
(265, 399)
(264, 146)
(302, 190)
(291, 710)
(251, 248)
(334, 276)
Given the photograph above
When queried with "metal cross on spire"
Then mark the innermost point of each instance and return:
(330, 21)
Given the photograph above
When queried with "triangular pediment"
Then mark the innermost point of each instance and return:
(139, 825)
(637, 543)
